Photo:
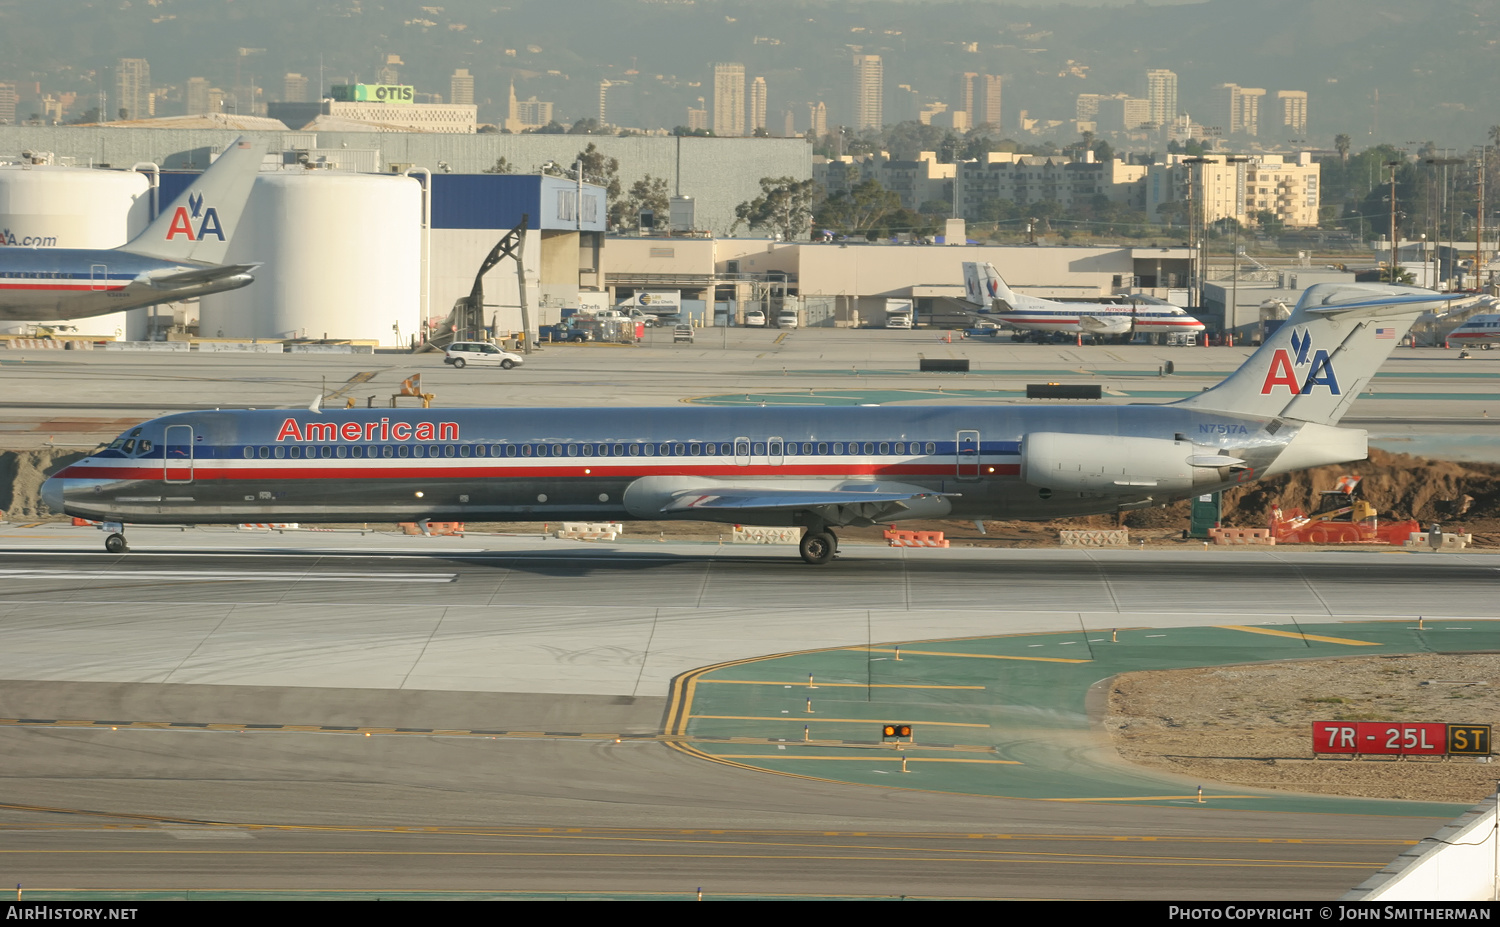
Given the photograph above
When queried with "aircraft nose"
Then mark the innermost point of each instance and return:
(52, 494)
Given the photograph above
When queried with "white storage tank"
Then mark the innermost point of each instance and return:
(42, 206)
(340, 255)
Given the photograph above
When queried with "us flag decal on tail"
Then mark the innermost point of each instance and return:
(1385, 333)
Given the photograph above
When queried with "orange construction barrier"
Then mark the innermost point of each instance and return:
(916, 538)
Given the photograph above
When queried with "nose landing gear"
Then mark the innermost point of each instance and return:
(114, 543)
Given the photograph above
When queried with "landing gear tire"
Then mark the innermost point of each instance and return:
(818, 547)
(115, 544)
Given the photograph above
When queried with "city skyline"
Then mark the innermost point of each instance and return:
(1054, 80)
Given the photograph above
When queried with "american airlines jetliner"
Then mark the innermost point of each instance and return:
(177, 256)
(1483, 330)
(984, 287)
(819, 468)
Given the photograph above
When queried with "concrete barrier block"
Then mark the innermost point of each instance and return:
(589, 531)
(240, 347)
(751, 534)
(1239, 536)
(167, 346)
(1110, 537)
(1450, 541)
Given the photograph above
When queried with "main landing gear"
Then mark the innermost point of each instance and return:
(818, 546)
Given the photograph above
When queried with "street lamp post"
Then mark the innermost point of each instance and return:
(1231, 312)
(1390, 276)
(1445, 163)
(1195, 217)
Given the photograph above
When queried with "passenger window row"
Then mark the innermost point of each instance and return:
(646, 449)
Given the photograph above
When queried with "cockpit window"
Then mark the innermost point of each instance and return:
(129, 445)
(143, 448)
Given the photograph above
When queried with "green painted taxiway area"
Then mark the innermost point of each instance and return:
(1014, 716)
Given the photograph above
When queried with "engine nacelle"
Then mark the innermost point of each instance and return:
(1117, 464)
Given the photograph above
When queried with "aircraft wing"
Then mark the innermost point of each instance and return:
(731, 498)
(834, 506)
(176, 279)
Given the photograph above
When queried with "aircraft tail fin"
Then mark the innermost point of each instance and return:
(995, 285)
(973, 292)
(1324, 355)
(983, 284)
(199, 223)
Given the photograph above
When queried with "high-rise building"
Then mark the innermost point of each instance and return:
(1293, 110)
(1239, 108)
(788, 124)
(604, 86)
(987, 103)
(757, 104)
(294, 89)
(869, 92)
(534, 113)
(729, 99)
(390, 73)
(197, 96)
(8, 99)
(132, 90)
(697, 117)
(963, 97)
(1161, 90)
(461, 87)
(817, 119)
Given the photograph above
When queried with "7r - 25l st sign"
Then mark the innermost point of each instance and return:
(1391, 738)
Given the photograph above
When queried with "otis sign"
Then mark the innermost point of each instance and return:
(1286, 364)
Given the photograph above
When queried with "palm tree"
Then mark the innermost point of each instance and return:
(1341, 145)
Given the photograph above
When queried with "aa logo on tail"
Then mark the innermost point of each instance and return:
(1286, 364)
(183, 221)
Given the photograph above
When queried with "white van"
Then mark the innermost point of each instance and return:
(898, 320)
(755, 319)
(786, 318)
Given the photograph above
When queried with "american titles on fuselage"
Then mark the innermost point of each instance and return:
(383, 430)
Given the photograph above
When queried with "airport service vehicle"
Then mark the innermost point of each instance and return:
(786, 318)
(177, 256)
(574, 328)
(682, 333)
(984, 287)
(755, 318)
(898, 313)
(811, 466)
(481, 354)
(1483, 330)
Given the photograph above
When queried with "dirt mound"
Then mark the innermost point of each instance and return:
(21, 476)
(1399, 486)
(1252, 724)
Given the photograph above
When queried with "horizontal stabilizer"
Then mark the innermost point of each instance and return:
(175, 279)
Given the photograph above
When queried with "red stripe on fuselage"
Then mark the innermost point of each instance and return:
(52, 287)
(345, 470)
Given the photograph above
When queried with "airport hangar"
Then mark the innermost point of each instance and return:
(346, 255)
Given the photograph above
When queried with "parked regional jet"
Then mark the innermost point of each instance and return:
(820, 468)
(1482, 330)
(176, 257)
(984, 287)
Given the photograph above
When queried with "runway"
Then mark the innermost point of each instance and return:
(555, 645)
(227, 680)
